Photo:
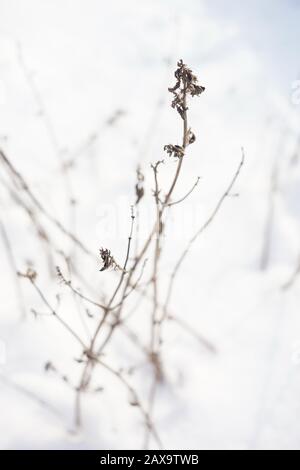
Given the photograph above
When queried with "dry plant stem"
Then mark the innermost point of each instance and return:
(81, 387)
(29, 394)
(151, 400)
(40, 103)
(87, 371)
(176, 269)
(113, 308)
(52, 310)
(156, 326)
(159, 223)
(16, 175)
(107, 309)
(198, 233)
(154, 279)
(93, 137)
(187, 194)
(184, 144)
(142, 253)
(77, 302)
(127, 331)
(51, 134)
(208, 345)
(117, 320)
(137, 230)
(165, 203)
(95, 303)
(76, 292)
(11, 258)
(41, 232)
(135, 401)
(147, 243)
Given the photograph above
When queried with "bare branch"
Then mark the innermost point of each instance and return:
(200, 231)
(187, 194)
(31, 276)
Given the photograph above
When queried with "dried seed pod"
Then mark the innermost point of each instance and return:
(30, 274)
(108, 260)
(186, 84)
(174, 150)
(190, 137)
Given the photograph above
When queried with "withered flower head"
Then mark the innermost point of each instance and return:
(30, 274)
(174, 150)
(186, 84)
(108, 260)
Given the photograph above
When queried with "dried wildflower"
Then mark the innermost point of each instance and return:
(186, 84)
(139, 187)
(174, 150)
(108, 260)
(30, 274)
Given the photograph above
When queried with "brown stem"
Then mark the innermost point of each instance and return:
(199, 232)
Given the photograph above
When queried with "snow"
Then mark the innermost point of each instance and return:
(66, 67)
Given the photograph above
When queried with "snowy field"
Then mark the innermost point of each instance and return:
(84, 85)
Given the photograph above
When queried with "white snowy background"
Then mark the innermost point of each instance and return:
(66, 67)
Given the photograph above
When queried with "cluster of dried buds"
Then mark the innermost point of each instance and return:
(30, 274)
(108, 260)
(61, 276)
(174, 150)
(186, 84)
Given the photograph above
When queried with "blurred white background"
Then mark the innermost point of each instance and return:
(67, 68)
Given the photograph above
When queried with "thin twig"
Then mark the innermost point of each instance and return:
(14, 172)
(135, 401)
(31, 277)
(43, 112)
(199, 232)
(187, 194)
(29, 394)
(208, 345)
